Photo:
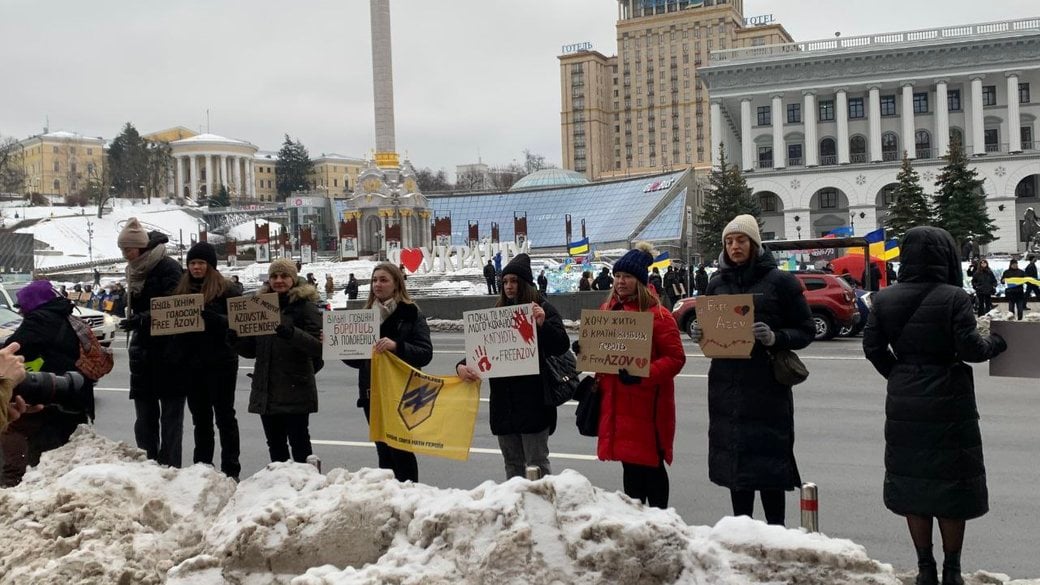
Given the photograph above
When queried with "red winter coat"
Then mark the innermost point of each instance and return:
(637, 423)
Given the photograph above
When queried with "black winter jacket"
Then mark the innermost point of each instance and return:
(1013, 290)
(207, 349)
(918, 336)
(983, 281)
(407, 327)
(750, 414)
(150, 373)
(283, 375)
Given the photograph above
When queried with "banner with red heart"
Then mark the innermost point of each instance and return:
(412, 258)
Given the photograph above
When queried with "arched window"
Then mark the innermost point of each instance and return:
(827, 152)
(858, 149)
(923, 144)
(57, 186)
(889, 146)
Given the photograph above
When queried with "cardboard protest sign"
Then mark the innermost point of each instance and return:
(349, 335)
(726, 321)
(254, 315)
(614, 340)
(177, 314)
(502, 341)
(1019, 360)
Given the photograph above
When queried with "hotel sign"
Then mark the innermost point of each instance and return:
(576, 48)
(759, 20)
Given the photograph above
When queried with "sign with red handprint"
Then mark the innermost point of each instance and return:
(502, 341)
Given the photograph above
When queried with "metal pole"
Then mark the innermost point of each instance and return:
(810, 508)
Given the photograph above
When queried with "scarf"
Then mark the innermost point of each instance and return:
(386, 308)
(137, 269)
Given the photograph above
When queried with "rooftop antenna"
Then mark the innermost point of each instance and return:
(207, 120)
(46, 124)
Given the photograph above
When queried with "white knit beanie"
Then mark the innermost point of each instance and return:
(743, 224)
(133, 235)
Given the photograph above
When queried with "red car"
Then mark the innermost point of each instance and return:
(831, 300)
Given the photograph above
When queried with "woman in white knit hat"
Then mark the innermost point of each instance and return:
(750, 413)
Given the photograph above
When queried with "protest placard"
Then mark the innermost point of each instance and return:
(615, 340)
(349, 335)
(502, 341)
(177, 314)
(254, 315)
(726, 321)
(1019, 360)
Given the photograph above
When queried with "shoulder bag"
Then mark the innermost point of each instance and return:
(560, 378)
(94, 360)
(587, 413)
(788, 368)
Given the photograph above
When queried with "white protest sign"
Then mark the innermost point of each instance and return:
(502, 341)
(254, 315)
(177, 314)
(349, 335)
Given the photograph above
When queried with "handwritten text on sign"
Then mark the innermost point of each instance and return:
(726, 321)
(350, 335)
(615, 340)
(502, 341)
(177, 314)
(254, 315)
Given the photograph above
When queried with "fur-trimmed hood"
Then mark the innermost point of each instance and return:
(301, 291)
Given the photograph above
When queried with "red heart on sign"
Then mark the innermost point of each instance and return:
(641, 362)
(742, 310)
(412, 258)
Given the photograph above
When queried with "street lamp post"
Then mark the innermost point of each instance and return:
(90, 242)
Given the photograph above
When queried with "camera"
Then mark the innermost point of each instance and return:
(67, 390)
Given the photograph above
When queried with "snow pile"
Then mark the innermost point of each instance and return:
(96, 511)
(984, 321)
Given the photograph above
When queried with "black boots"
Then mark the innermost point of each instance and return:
(952, 569)
(927, 572)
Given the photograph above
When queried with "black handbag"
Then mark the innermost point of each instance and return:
(788, 368)
(587, 413)
(560, 378)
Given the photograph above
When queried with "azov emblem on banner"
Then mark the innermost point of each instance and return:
(418, 399)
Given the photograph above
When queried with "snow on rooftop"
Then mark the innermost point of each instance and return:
(209, 138)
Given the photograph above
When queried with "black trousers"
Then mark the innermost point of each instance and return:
(773, 503)
(492, 286)
(1032, 291)
(287, 430)
(403, 463)
(159, 428)
(646, 484)
(211, 394)
(985, 304)
(1016, 303)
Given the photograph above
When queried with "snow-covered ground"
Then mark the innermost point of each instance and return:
(97, 511)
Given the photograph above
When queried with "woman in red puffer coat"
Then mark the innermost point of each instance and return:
(637, 415)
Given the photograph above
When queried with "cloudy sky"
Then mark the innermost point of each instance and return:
(471, 77)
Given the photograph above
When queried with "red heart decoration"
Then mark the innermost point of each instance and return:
(412, 258)
(641, 362)
(742, 310)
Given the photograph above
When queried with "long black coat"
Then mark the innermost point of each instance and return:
(283, 375)
(933, 448)
(517, 403)
(750, 414)
(204, 350)
(150, 373)
(407, 327)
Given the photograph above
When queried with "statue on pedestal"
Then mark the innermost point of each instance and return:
(1031, 230)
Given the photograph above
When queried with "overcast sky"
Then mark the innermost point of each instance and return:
(470, 76)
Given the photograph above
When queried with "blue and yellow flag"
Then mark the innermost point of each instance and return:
(1021, 280)
(579, 247)
(417, 412)
(841, 232)
(891, 250)
(662, 261)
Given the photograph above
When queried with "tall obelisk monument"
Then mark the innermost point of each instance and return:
(383, 85)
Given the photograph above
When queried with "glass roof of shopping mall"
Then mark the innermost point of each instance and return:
(613, 212)
(550, 178)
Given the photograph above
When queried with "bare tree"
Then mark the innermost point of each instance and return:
(12, 175)
(471, 181)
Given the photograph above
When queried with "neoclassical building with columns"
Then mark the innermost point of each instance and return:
(202, 163)
(820, 127)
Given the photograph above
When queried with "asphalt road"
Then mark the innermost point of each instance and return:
(839, 446)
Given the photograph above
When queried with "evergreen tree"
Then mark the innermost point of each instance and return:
(220, 198)
(727, 198)
(959, 206)
(128, 162)
(294, 164)
(910, 207)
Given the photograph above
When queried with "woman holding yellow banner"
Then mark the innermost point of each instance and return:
(520, 417)
(402, 331)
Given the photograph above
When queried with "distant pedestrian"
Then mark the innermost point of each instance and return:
(1032, 290)
(985, 284)
(585, 284)
(656, 283)
(700, 280)
(490, 277)
(311, 280)
(543, 283)
(604, 281)
(330, 287)
(352, 287)
(1014, 293)
(97, 277)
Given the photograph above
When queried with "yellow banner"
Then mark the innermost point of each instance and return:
(417, 412)
(1020, 280)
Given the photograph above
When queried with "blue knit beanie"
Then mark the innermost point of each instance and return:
(636, 262)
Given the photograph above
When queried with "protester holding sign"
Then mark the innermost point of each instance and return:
(750, 413)
(206, 363)
(918, 336)
(158, 399)
(520, 416)
(284, 392)
(403, 332)
(637, 414)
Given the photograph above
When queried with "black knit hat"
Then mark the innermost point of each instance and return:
(520, 266)
(637, 263)
(203, 251)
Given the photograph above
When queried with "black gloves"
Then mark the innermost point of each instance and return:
(628, 379)
(999, 345)
(136, 322)
(284, 331)
(576, 347)
(231, 336)
(213, 318)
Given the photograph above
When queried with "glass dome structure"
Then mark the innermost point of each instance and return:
(550, 178)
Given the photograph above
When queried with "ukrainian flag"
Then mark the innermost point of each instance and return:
(878, 247)
(891, 250)
(579, 247)
(842, 232)
(661, 262)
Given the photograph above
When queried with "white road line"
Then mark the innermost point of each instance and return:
(123, 390)
(804, 357)
(478, 450)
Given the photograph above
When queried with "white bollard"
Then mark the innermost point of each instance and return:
(810, 508)
(533, 472)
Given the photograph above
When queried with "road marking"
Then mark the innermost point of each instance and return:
(99, 389)
(804, 357)
(478, 450)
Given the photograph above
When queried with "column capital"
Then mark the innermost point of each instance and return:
(843, 89)
(1012, 74)
(977, 76)
(942, 80)
(811, 92)
(874, 87)
(716, 101)
(776, 96)
(906, 84)
(746, 99)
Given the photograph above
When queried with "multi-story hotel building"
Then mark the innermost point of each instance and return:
(645, 110)
(60, 163)
(335, 175)
(820, 127)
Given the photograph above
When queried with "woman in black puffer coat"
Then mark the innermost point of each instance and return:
(404, 332)
(750, 414)
(918, 336)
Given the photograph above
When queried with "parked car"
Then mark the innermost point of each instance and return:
(103, 324)
(831, 300)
